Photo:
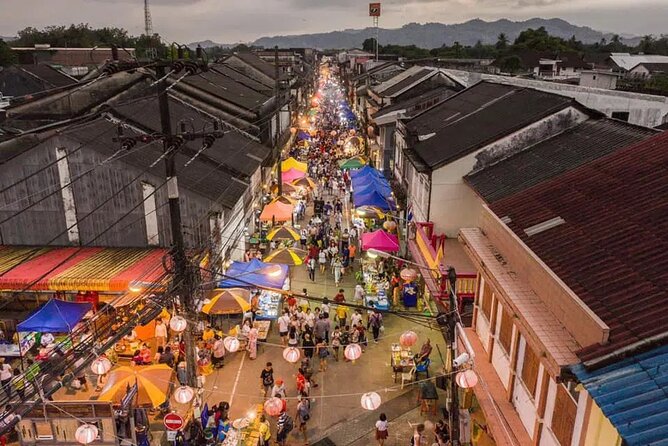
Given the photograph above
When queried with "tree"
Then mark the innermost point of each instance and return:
(7, 56)
(370, 45)
(501, 42)
(510, 64)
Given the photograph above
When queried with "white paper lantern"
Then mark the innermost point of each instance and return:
(273, 406)
(466, 379)
(370, 401)
(231, 344)
(101, 365)
(86, 433)
(353, 351)
(178, 324)
(184, 394)
(291, 354)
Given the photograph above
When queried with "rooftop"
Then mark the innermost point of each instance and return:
(440, 92)
(627, 61)
(477, 116)
(655, 67)
(612, 248)
(575, 146)
(633, 395)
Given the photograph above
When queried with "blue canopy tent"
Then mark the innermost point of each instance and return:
(255, 274)
(366, 170)
(376, 199)
(56, 316)
(365, 188)
(302, 135)
(367, 180)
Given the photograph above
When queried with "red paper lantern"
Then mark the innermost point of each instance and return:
(466, 379)
(273, 406)
(408, 274)
(353, 351)
(408, 338)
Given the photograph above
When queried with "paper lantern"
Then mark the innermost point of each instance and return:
(291, 354)
(408, 338)
(273, 406)
(408, 274)
(390, 225)
(178, 324)
(370, 401)
(184, 394)
(231, 344)
(101, 365)
(333, 133)
(352, 132)
(353, 351)
(86, 433)
(466, 379)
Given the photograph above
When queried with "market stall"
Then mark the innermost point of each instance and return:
(292, 174)
(380, 240)
(153, 384)
(277, 211)
(402, 360)
(257, 274)
(376, 286)
(292, 163)
(374, 198)
(227, 301)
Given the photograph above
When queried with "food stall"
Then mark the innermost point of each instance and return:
(403, 360)
(245, 431)
(375, 286)
(254, 274)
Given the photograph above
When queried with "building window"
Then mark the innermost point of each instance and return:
(530, 370)
(506, 330)
(487, 301)
(563, 418)
(622, 116)
(150, 214)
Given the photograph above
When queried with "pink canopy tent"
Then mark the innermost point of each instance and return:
(380, 240)
(291, 175)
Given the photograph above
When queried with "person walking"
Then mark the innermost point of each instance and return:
(284, 426)
(303, 415)
(375, 322)
(310, 265)
(322, 352)
(338, 269)
(336, 342)
(322, 260)
(381, 429)
(341, 315)
(308, 345)
(218, 352)
(267, 378)
(284, 326)
(6, 374)
(265, 431)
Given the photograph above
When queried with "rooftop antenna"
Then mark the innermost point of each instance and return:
(151, 52)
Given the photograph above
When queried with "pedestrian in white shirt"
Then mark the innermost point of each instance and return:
(284, 326)
(160, 333)
(6, 374)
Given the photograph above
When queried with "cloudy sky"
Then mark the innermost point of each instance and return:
(231, 21)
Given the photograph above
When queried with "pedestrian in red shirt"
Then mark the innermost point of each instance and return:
(340, 297)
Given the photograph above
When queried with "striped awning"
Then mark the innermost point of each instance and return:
(79, 269)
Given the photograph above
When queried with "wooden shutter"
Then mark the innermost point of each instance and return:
(487, 301)
(563, 417)
(530, 370)
(506, 330)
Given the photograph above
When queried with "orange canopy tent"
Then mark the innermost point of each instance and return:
(277, 212)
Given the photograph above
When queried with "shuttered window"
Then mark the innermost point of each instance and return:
(506, 330)
(487, 301)
(530, 370)
(563, 418)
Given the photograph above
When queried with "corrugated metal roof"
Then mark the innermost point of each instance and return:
(627, 61)
(633, 395)
(477, 116)
(612, 250)
(578, 145)
(416, 78)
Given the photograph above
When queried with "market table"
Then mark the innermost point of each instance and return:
(402, 360)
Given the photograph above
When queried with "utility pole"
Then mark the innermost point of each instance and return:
(277, 130)
(453, 311)
(183, 275)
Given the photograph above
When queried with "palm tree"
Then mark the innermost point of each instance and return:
(501, 41)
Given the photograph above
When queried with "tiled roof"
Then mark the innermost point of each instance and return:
(612, 247)
(242, 78)
(477, 116)
(440, 92)
(578, 145)
(416, 78)
(654, 67)
(633, 395)
(228, 89)
(52, 77)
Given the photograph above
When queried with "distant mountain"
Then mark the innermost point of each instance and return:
(209, 43)
(434, 35)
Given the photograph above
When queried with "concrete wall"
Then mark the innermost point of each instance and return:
(596, 79)
(563, 303)
(644, 109)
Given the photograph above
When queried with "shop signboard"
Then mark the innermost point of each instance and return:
(374, 9)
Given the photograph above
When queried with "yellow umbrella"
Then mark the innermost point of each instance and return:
(284, 199)
(370, 212)
(283, 233)
(230, 301)
(286, 256)
(304, 182)
(152, 384)
(292, 163)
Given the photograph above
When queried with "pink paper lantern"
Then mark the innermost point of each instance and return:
(408, 274)
(291, 354)
(273, 406)
(408, 338)
(466, 379)
(353, 351)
